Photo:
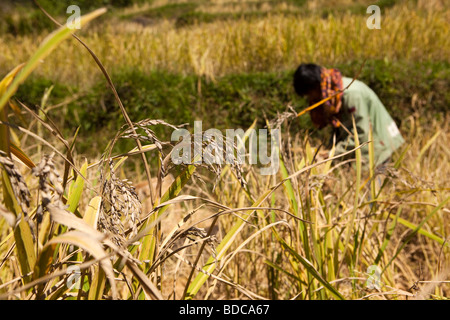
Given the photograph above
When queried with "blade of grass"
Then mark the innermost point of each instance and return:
(117, 98)
(50, 126)
(356, 201)
(97, 285)
(415, 231)
(92, 212)
(5, 86)
(76, 190)
(22, 233)
(372, 167)
(310, 268)
(388, 236)
(148, 246)
(15, 150)
(91, 245)
(42, 267)
(221, 250)
(427, 146)
(46, 47)
(421, 231)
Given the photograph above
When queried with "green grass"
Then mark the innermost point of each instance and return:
(230, 101)
(32, 21)
(23, 17)
(188, 13)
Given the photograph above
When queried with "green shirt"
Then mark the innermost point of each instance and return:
(361, 102)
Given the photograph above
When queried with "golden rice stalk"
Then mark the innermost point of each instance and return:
(49, 180)
(120, 208)
(18, 184)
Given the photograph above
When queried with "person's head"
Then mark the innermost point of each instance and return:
(307, 79)
(316, 83)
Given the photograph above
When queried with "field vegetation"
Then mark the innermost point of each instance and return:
(88, 183)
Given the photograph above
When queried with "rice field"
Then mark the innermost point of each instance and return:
(136, 225)
(272, 43)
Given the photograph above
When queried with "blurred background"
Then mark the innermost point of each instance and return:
(225, 62)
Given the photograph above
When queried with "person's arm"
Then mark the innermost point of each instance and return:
(362, 121)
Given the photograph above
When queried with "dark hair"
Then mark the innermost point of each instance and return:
(307, 78)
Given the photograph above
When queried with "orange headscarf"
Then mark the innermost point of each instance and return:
(330, 84)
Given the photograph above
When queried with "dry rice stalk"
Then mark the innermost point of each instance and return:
(416, 181)
(120, 207)
(126, 132)
(427, 290)
(221, 156)
(18, 184)
(49, 180)
(202, 234)
(281, 118)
